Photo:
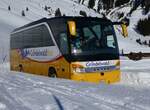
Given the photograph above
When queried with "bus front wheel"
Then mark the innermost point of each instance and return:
(52, 73)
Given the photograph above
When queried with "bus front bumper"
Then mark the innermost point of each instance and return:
(106, 77)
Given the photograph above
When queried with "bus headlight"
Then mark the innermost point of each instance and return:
(80, 70)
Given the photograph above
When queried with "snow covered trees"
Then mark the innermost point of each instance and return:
(107, 4)
(146, 6)
(91, 4)
(120, 2)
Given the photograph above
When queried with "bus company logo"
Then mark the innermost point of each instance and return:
(31, 52)
(97, 63)
(23, 52)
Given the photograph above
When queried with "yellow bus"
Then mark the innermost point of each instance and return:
(77, 48)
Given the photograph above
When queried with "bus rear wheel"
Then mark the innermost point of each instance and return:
(52, 73)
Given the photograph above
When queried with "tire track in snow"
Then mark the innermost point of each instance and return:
(74, 95)
(12, 102)
(69, 95)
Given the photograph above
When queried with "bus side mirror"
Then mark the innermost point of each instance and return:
(72, 28)
(124, 30)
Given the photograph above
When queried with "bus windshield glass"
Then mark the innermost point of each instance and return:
(95, 40)
(92, 38)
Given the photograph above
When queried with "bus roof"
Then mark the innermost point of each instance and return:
(62, 17)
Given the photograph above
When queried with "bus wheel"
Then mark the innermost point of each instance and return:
(52, 73)
(20, 68)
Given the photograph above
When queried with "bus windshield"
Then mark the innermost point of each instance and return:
(95, 40)
(92, 38)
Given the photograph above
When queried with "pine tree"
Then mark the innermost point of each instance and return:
(45, 8)
(58, 12)
(147, 8)
(91, 4)
(27, 9)
(143, 26)
(23, 13)
(121, 2)
(107, 4)
(100, 6)
(9, 8)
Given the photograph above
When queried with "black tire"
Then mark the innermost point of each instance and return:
(52, 73)
(20, 68)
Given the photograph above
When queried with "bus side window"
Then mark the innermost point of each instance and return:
(110, 41)
(47, 39)
(108, 34)
(32, 38)
(63, 43)
(37, 37)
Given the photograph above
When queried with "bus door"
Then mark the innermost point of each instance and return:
(64, 64)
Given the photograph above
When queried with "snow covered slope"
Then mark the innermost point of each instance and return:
(36, 8)
(11, 19)
(20, 91)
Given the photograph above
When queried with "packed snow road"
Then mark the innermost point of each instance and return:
(19, 91)
(136, 73)
(26, 92)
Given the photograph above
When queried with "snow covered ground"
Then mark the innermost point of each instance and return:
(21, 91)
(136, 73)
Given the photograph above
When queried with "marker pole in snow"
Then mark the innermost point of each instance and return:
(4, 58)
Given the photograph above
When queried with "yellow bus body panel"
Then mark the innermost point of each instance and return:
(108, 77)
(63, 69)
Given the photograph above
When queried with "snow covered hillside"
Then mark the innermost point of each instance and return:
(11, 15)
(133, 10)
(129, 44)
